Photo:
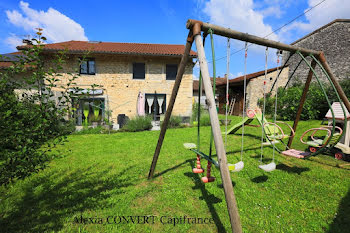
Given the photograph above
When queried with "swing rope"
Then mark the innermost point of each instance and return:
(199, 104)
(244, 96)
(271, 166)
(274, 118)
(264, 105)
(227, 89)
(199, 111)
(240, 165)
(214, 85)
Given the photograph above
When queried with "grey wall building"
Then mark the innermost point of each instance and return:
(334, 40)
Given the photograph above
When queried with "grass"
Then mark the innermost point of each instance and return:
(103, 175)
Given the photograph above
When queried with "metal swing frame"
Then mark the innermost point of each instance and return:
(195, 28)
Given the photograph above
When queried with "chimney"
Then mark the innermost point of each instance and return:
(27, 42)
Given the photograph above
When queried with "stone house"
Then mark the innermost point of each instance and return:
(218, 81)
(334, 40)
(122, 71)
(254, 90)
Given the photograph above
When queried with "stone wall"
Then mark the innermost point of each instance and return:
(255, 86)
(115, 75)
(334, 41)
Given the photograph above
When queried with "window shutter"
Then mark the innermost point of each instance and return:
(139, 70)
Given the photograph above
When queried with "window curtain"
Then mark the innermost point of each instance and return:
(160, 102)
(150, 100)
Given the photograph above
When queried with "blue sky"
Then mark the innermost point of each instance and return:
(163, 21)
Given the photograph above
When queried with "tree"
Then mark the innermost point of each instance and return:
(32, 119)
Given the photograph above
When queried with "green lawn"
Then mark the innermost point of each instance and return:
(105, 175)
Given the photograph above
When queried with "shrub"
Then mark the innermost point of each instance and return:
(139, 123)
(315, 106)
(174, 122)
(96, 130)
(205, 120)
(195, 111)
(32, 121)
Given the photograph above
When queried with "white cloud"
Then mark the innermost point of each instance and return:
(326, 12)
(317, 17)
(236, 75)
(13, 41)
(239, 15)
(274, 11)
(56, 26)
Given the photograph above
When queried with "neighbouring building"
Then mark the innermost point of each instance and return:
(218, 81)
(122, 71)
(254, 90)
(334, 40)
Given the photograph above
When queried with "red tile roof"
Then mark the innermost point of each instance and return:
(116, 48)
(5, 64)
(219, 81)
(7, 59)
(240, 79)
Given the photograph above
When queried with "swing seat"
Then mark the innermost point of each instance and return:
(190, 146)
(296, 153)
(268, 167)
(316, 143)
(236, 167)
(328, 141)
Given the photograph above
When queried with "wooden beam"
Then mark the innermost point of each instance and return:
(302, 101)
(218, 30)
(219, 144)
(180, 72)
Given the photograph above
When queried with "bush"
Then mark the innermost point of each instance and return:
(205, 120)
(139, 123)
(195, 111)
(32, 120)
(315, 106)
(96, 130)
(174, 122)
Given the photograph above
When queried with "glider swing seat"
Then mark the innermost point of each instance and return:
(195, 35)
(316, 146)
(328, 141)
(273, 131)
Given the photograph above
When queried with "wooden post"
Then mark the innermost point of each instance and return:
(220, 150)
(302, 101)
(342, 95)
(180, 72)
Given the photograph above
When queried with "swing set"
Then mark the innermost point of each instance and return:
(270, 130)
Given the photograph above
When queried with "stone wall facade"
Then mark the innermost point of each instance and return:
(115, 76)
(334, 40)
(255, 87)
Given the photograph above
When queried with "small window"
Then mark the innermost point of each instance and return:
(87, 66)
(171, 71)
(138, 70)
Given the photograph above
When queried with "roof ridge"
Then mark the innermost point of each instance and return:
(111, 42)
(116, 48)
